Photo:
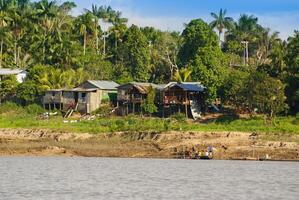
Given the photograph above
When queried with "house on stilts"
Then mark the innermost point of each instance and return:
(186, 97)
(131, 95)
(85, 98)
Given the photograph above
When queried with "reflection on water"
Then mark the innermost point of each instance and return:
(107, 178)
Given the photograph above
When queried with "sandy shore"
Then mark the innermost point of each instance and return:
(227, 145)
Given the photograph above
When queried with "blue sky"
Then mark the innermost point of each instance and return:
(279, 15)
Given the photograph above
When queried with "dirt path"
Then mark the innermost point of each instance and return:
(227, 145)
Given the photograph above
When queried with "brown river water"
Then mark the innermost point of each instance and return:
(118, 178)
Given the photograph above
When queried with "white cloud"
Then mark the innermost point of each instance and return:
(284, 22)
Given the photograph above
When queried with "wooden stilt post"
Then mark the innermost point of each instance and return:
(186, 106)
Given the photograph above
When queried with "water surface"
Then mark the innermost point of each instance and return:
(109, 178)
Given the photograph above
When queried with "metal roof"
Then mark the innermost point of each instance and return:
(187, 86)
(7, 71)
(140, 86)
(73, 90)
(191, 87)
(104, 85)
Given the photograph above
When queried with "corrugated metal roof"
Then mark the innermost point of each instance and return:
(73, 90)
(7, 71)
(140, 86)
(104, 85)
(191, 87)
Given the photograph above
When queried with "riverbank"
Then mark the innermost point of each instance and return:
(148, 144)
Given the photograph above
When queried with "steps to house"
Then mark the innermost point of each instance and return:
(195, 110)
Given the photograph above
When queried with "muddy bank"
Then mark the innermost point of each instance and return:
(227, 145)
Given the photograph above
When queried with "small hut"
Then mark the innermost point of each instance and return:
(186, 97)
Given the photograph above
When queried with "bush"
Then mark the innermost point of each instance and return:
(103, 110)
(34, 109)
(10, 107)
(179, 117)
(296, 120)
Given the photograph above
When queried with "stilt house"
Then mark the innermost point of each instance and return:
(130, 96)
(85, 98)
(186, 97)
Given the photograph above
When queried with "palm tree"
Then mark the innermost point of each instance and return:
(221, 22)
(96, 13)
(4, 20)
(84, 22)
(265, 40)
(182, 75)
(119, 26)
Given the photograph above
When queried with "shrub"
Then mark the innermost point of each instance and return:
(179, 117)
(296, 120)
(103, 110)
(34, 109)
(10, 107)
(167, 125)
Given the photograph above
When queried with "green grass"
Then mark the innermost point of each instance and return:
(16, 117)
(114, 124)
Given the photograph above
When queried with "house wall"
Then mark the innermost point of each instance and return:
(89, 101)
(68, 99)
(95, 100)
(52, 97)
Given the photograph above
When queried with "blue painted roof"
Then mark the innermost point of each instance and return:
(191, 87)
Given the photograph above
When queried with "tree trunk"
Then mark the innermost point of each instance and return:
(15, 52)
(18, 55)
(96, 35)
(1, 52)
(104, 52)
(84, 44)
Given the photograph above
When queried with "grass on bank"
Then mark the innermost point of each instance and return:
(13, 116)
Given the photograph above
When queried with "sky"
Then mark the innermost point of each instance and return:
(171, 15)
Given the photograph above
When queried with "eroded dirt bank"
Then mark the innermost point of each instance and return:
(227, 145)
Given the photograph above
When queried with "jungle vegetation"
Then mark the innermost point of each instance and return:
(61, 50)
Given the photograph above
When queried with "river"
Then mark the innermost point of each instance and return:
(119, 178)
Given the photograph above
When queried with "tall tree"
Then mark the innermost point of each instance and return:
(200, 51)
(221, 22)
(134, 52)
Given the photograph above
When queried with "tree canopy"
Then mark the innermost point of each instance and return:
(61, 50)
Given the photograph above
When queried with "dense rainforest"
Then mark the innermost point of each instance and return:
(242, 63)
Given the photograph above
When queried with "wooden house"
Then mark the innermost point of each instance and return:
(186, 97)
(130, 96)
(85, 98)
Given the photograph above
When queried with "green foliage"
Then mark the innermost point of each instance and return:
(221, 22)
(8, 87)
(34, 109)
(10, 107)
(292, 77)
(196, 35)
(134, 51)
(148, 106)
(201, 52)
(28, 92)
(60, 50)
(233, 91)
(103, 110)
(179, 117)
(266, 94)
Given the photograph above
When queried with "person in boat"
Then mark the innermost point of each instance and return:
(210, 150)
